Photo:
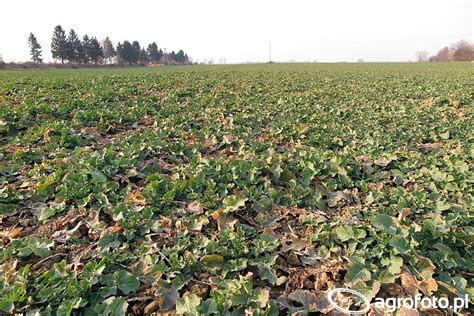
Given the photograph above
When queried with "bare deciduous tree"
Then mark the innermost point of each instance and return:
(422, 56)
(443, 55)
(108, 49)
(462, 51)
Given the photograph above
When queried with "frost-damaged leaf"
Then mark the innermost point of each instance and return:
(196, 223)
(335, 197)
(382, 162)
(233, 203)
(62, 236)
(312, 302)
(188, 305)
(428, 287)
(212, 263)
(229, 139)
(405, 311)
(261, 297)
(165, 301)
(425, 268)
(368, 290)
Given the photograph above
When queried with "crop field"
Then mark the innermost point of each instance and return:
(232, 190)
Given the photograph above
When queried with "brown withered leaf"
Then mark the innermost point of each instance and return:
(296, 244)
(433, 312)
(147, 121)
(405, 311)
(382, 162)
(428, 147)
(117, 228)
(16, 232)
(403, 213)
(195, 207)
(412, 285)
(312, 301)
(428, 286)
(409, 284)
(152, 307)
(268, 230)
(63, 235)
(112, 230)
(425, 267)
(363, 158)
(394, 290)
(229, 139)
(219, 217)
(136, 197)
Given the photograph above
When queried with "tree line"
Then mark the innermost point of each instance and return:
(460, 51)
(70, 48)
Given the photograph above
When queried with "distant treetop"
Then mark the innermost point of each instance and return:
(70, 48)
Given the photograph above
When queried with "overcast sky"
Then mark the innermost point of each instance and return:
(240, 30)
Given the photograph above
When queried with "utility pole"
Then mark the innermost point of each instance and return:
(270, 52)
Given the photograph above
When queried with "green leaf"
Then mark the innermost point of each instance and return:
(444, 135)
(400, 244)
(345, 233)
(208, 307)
(126, 282)
(98, 177)
(6, 305)
(357, 271)
(266, 272)
(49, 181)
(233, 203)
(369, 199)
(188, 305)
(442, 206)
(395, 265)
(260, 297)
(116, 306)
(34, 245)
(266, 243)
(234, 265)
(386, 277)
(386, 223)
